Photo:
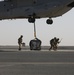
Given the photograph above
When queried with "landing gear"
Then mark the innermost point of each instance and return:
(31, 19)
(49, 21)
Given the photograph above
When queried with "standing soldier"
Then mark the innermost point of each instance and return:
(20, 41)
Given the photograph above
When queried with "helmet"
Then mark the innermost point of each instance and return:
(21, 35)
(54, 37)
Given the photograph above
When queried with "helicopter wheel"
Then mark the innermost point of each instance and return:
(31, 20)
(49, 21)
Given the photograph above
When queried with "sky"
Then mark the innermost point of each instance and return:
(62, 27)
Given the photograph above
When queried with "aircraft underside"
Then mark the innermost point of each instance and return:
(12, 10)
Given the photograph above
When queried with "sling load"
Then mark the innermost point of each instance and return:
(35, 44)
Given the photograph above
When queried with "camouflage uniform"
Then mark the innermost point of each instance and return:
(20, 42)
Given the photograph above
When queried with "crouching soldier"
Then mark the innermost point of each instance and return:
(53, 43)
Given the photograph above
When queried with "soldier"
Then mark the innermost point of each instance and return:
(53, 43)
(56, 42)
(20, 41)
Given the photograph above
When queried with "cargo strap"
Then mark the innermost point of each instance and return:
(34, 30)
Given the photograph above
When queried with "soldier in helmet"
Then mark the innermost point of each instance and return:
(20, 41)
(53, 43)
(56, 42)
